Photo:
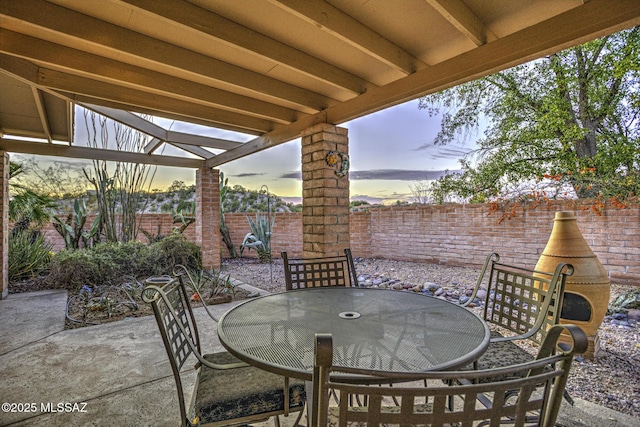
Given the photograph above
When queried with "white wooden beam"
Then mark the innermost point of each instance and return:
(73, 61)
(132, 120)
(463, 18)
(596, 18)
(353, 32)
(152, 145)
(91, 153)
(201, 140)
(198, 151)
(42, 112)
(119, 42)
(252, 42)
(59, 81)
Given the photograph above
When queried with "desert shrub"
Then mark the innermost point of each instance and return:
(29, 254)
(174, 250)
(134, 259)
(72, 269)
(115, 263)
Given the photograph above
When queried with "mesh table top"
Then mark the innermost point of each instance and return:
(372, 329)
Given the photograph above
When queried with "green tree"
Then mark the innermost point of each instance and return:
(563, 125)
(27, 207)
(29, 253)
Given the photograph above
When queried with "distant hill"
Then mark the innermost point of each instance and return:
(238, 199)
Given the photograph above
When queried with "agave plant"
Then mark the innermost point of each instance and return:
(260, 237)
(72, 229)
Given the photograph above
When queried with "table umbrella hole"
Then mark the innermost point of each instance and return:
(349, 315)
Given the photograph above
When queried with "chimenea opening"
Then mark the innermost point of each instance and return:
(575, 307)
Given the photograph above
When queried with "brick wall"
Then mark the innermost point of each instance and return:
(152, 223)
(287, 233)
(458, 235)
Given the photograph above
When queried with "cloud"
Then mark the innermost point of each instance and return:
(396, 174)
(450, 153)
(247, 175)
(291, 175)
(383, 174)
(453, 151)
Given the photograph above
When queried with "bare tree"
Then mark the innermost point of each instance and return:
(119, 186)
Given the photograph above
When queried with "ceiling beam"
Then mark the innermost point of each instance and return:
(463, 18)
(131, 120)
(134, 98)
(170, 115)
(74, 29)
(71, 114)
(334, 21)
(152, 145)
(88, 153)
(97, 67)
(234, 34)
(161, 135)
(79, 90)
(42, 113)
(202, 141)
(198, 151)
(596, 18)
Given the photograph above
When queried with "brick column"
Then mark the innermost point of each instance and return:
(325, 195)
(4, 229)
(208, 216)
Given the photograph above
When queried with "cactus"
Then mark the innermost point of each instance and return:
(224, 230)
(72, 229)
(260, 237)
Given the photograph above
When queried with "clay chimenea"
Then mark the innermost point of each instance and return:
(587, 291)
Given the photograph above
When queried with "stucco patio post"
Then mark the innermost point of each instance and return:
(325, 193)
(208, 216)
(4, 230)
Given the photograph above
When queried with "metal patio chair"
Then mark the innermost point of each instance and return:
(227, 391)
(511, 392)
(316, 272)
(522, 303)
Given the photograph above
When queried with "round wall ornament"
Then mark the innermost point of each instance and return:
(337, 160)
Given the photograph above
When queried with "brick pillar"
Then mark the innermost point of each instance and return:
(208, 216)
(325, 195)
(4, 229)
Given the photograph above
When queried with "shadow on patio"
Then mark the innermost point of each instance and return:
(118, 374)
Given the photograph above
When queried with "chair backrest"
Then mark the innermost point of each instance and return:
(524, 301)
(416, 404)
(319, 272)
(178, 329)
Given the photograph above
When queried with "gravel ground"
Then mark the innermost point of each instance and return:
(611, 380)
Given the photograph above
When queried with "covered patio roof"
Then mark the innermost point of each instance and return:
(269, 68)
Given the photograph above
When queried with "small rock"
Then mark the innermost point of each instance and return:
(619, 316)
(634, 314)
(432, 287)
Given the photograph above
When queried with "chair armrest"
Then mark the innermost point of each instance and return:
(492, 257)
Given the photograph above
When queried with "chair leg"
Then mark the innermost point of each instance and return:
(276, 420)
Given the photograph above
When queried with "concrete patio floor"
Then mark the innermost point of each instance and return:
(118, 374)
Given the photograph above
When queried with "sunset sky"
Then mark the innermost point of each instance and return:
(389, 151)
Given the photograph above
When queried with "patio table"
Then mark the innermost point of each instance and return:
(372, 328)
